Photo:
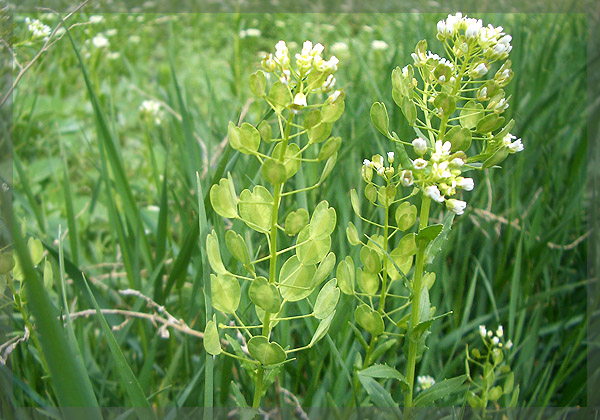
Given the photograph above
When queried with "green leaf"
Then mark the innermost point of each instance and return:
(380, 119)
(296, 279)
(367, 282)
(406, 216)
(323, 220)
(383, 372)
(239, 250)
(435, 247)
(495, 393)
(223, 199)
(257, 83)
(470, 115)
(273, 171)
(319, 132)
(446, 102)
(345, 275)
(400, 260)
(429, 233)
(333, 111)
(128, 380)
(509, 383)
(407, 245)
(225, 293)
(256, 208)
(265, 352)
(369, 320)
(459, 137)
(312, 250)
(266, 131)
(352, 234)
(408, 109)
(212, 344)
(371, 259)
(329, 165)
(489, 123)
(279, 95)
(330, 147)
(265, 295)
(440, 390)
(296, 221)
(214, 253)
(36, 250)
(321, 329)
(291, 160)
(324, 269)
(48, 275)
(246, 138)
(371, 193)
(496, 158)
(311, 119)
(379, 395)
(354, 201)
(327, 300)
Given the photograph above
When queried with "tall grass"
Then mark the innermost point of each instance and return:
(136, 212)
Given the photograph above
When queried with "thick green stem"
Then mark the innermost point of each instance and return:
(278, 188)
(416, 304)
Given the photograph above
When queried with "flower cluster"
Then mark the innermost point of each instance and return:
(377, 164)
(494, 340)
(37, 28)
(311, 74)
(151, 109)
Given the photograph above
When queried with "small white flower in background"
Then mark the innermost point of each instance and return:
(111, 32)
(406, 178)
(420, 146)
(379, 45)
(482, 331)
(495, 341)
(420, 163)
(368, 29)
(300, 99)
(250, 33)
(100, 41)
(456, 206)
(513, 146)
(339, 47)
(500, 331)
(134, 39)
(152, 109)
(433, 192)
(113, 55)
(466, 184)
(37, 28)
(424, 382)
(96, 19)
(390, 156)
(509, 344)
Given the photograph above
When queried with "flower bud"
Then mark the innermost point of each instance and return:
(420, 146)
(406, 178)
(390, 156)
(300, 99)
(456, 206)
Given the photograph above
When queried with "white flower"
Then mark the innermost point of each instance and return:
(406, 178)
(473, 28)
(457, 162)
(285, 77)
(100, 41)
(330, 65)
(495, 341)
(253, 32)
(482, 331)
(151, 108)
(442, 150)
(379, 45)
(269, 64)
(500, 331)
(328, 84)
(420, 146)
(300, 99)
(466, 184)
(134, 39)
(282, 55)
(380, 170)
(424, 382)
(111, 32)
(456, 206)
(378, 161)
(96, 19)
(334, 96)
(440, 170)
(509, 344)
(390, 156)
(433, 192)
(490, 333)
(513, 146)
(368, 163)
(480, 70)
(419, 163)
(339, 47)
(482, 94)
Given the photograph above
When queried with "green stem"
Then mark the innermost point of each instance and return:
(266, 331)
(416, 303)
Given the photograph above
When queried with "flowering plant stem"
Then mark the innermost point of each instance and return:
(416, 303)
(266, 329)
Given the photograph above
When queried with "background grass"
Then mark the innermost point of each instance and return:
(125, 195)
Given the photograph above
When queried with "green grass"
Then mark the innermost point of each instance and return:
(125, 195)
